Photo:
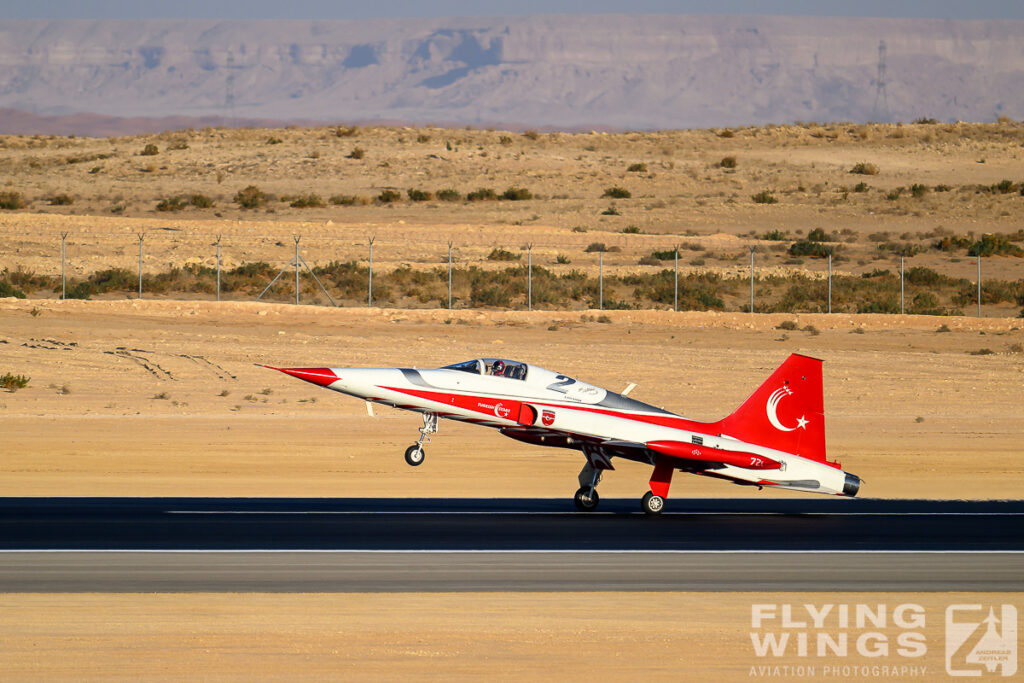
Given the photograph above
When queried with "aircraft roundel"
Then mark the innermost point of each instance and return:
(502, 410)
(547, 418)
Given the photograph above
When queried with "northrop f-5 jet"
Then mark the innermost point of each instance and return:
(776, 438)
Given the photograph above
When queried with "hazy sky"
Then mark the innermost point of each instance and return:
(363, 9)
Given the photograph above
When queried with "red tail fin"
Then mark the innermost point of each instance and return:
(786, 412)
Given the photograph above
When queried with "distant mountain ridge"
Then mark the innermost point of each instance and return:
(566, 71)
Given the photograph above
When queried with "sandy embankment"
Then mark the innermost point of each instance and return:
(163, 398)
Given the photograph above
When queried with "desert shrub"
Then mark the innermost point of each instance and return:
(499, 254)
(727, 133)
(531, 135)
(311, 200)
(1004, 187)
(775, 236)
(251, 197)
(357, 153)
(819, 235)
(861, 187)
(925, 303)
(7, 289)
(617, 193)
(727, 162)
(150, 150)
(10, 200)
(788, 325)
(994, 245)
(482, 194)
(663, 254)
(178, 145)
(649, 261)
(631, 230)
(942, 188)
(901, 248)
(764, 197)
(176, 203)
(389, 196)
(422, 138)
(200, 201)
(918, 190)
(274, 141)
(594, 247)
(346, 131)
(562, 259)
(517, 194)
(894, 194)
(13, 382)
(505, 140)
(62, 199)
(951, 243)
(611, 211)
(449, 195)
(637, 168)
(344, 200)
(417, 195)
(864, 168)
(808, 248)
(579, 228)
(925, 120)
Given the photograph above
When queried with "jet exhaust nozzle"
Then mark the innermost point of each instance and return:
(851, 485)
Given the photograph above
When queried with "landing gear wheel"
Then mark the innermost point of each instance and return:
(414, 455)
(586, 499)
(652, 504)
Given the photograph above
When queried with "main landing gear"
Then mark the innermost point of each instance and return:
(653, 502)
(414, 454)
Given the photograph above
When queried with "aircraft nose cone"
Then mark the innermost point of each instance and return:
(321, 376)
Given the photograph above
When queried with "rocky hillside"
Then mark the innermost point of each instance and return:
(561, 71)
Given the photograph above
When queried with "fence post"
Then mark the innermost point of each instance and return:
(600, 280)
(297, 238)
(830, 282)
(63, 279)
(529, 276)
(369, 283)
(752, 279)
(903, 306)
(218, 267)
(979, 285)
(449, 275)
(141, 236)
(675, 285)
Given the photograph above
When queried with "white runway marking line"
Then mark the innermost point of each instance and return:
(569, 513)
(357, 551)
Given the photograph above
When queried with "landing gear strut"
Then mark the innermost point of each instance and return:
(586, 498)
(414, 454)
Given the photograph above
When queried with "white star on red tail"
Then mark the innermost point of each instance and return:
(801, 422)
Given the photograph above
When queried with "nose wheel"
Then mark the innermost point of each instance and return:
(414, 454)
(586, 499)
(652, 504)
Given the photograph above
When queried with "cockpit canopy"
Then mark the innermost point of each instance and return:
(497, 367)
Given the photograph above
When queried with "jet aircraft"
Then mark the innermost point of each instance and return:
(776, 438)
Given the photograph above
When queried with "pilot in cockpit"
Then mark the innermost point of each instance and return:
(498, 368)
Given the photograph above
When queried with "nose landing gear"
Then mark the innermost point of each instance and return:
(414, 454)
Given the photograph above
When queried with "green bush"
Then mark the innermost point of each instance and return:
(917, 190)
(200, 201)
(1004, 187)
(864, 168)
(388, 196)
(449, 195)
(11, 200)
(611, 211)
(150, 150)
(419, 195)
(357, 153)
(727, 162)
(499, 254)
(775, 236)
(994, 245)
(637, 168)
(311, 200)
(808, 248)
(617, 193)
(764, 197)
(171, 204)
(7, 289)
(345, 200)
(482, 194)
(13, 382)
(861, 187)
(664, 254)
(631, 230)
(251, 197)
(595, 247)
(818, 235)
(951, 243)
(517, 194)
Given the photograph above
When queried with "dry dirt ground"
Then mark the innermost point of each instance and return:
(464, 636)
(165, 398)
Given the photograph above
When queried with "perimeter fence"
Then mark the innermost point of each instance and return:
(440, 273)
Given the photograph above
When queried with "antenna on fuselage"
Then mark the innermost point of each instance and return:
(631, 387)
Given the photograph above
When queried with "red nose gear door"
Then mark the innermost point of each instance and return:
(527, 414)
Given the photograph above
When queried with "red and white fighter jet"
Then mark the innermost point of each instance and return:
(776, 438)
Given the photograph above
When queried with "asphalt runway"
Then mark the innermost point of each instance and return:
(277, 544)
